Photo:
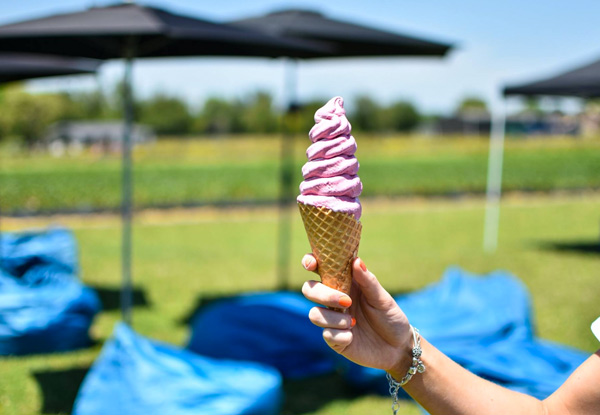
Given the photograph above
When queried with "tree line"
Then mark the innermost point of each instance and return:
(27, 116)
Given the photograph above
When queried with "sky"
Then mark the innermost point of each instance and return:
(496, 43)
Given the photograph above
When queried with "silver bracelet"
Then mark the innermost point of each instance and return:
(417, 366)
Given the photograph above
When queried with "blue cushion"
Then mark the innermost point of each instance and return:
(44, 307)
(271, 328)
(134, 375)
(53, 246)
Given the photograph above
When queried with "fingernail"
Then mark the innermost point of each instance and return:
(307, 261)
(362, 265)
(345, 301)
(353, 322)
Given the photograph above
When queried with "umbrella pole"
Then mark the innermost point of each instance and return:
(286, 178)
(127, 188)
(494, 181)
(1, 236)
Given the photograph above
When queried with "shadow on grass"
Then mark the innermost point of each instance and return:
(310, 395)
(110, 297)
(59, 388)
(580, 247)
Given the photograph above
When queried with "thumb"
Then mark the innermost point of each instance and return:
(372, 290)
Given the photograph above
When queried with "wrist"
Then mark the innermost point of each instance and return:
(416, 366)
(404, 359)
(410, 363)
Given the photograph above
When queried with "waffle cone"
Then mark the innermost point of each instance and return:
(334, 238)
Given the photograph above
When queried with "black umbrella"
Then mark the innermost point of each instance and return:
(21, 66)
(583, 81)
(345, 39)
(348, 39)
(128, 31)
(132, 30)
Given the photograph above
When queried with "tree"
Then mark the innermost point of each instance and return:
(532, 106)
(472, 104)
(259, 116)
(27, 116)
(367, 115)
(86, 106)
(304, 119)
(401, 116)
(219, 116)
(166, 115)
(116, 104)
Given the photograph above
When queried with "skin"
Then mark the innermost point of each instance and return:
(371, 330)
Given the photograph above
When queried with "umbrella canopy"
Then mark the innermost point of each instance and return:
(348, 39)
(108, 32)
(583, 82)
(130, 31)
(21, 66)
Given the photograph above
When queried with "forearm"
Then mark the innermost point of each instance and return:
(446, 388)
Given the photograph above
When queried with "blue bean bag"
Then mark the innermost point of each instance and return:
(20, 251)
(271, 328)
(44, 307)
(484, 323)
(137, 376)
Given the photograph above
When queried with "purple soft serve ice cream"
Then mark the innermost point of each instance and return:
(330, 175)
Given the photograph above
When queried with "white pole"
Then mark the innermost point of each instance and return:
(494, 180)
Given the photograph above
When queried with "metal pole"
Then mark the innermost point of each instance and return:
(1, 236)
(127, 187)
(494, 181)
(286, 193)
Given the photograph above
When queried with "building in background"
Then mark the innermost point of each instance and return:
(100, 136)
(524, 124)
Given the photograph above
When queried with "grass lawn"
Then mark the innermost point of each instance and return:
(240, 169)
(182, 255)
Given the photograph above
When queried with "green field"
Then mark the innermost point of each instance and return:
(182, 255)
(246, 169)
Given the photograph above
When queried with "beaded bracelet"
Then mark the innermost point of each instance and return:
(417, 366)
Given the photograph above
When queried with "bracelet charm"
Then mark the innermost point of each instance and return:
(417, 366)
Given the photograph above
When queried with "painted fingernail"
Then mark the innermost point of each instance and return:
(353, 322)
(307, 262)
(345, 301)
(362, 265)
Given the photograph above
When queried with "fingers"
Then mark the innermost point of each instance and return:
(321, 294)
(372, 290)
(309, 262)
(338, 340)
(325, 318)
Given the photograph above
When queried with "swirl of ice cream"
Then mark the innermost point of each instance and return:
(330, 175)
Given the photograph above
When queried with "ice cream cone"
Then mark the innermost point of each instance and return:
(334, 238)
